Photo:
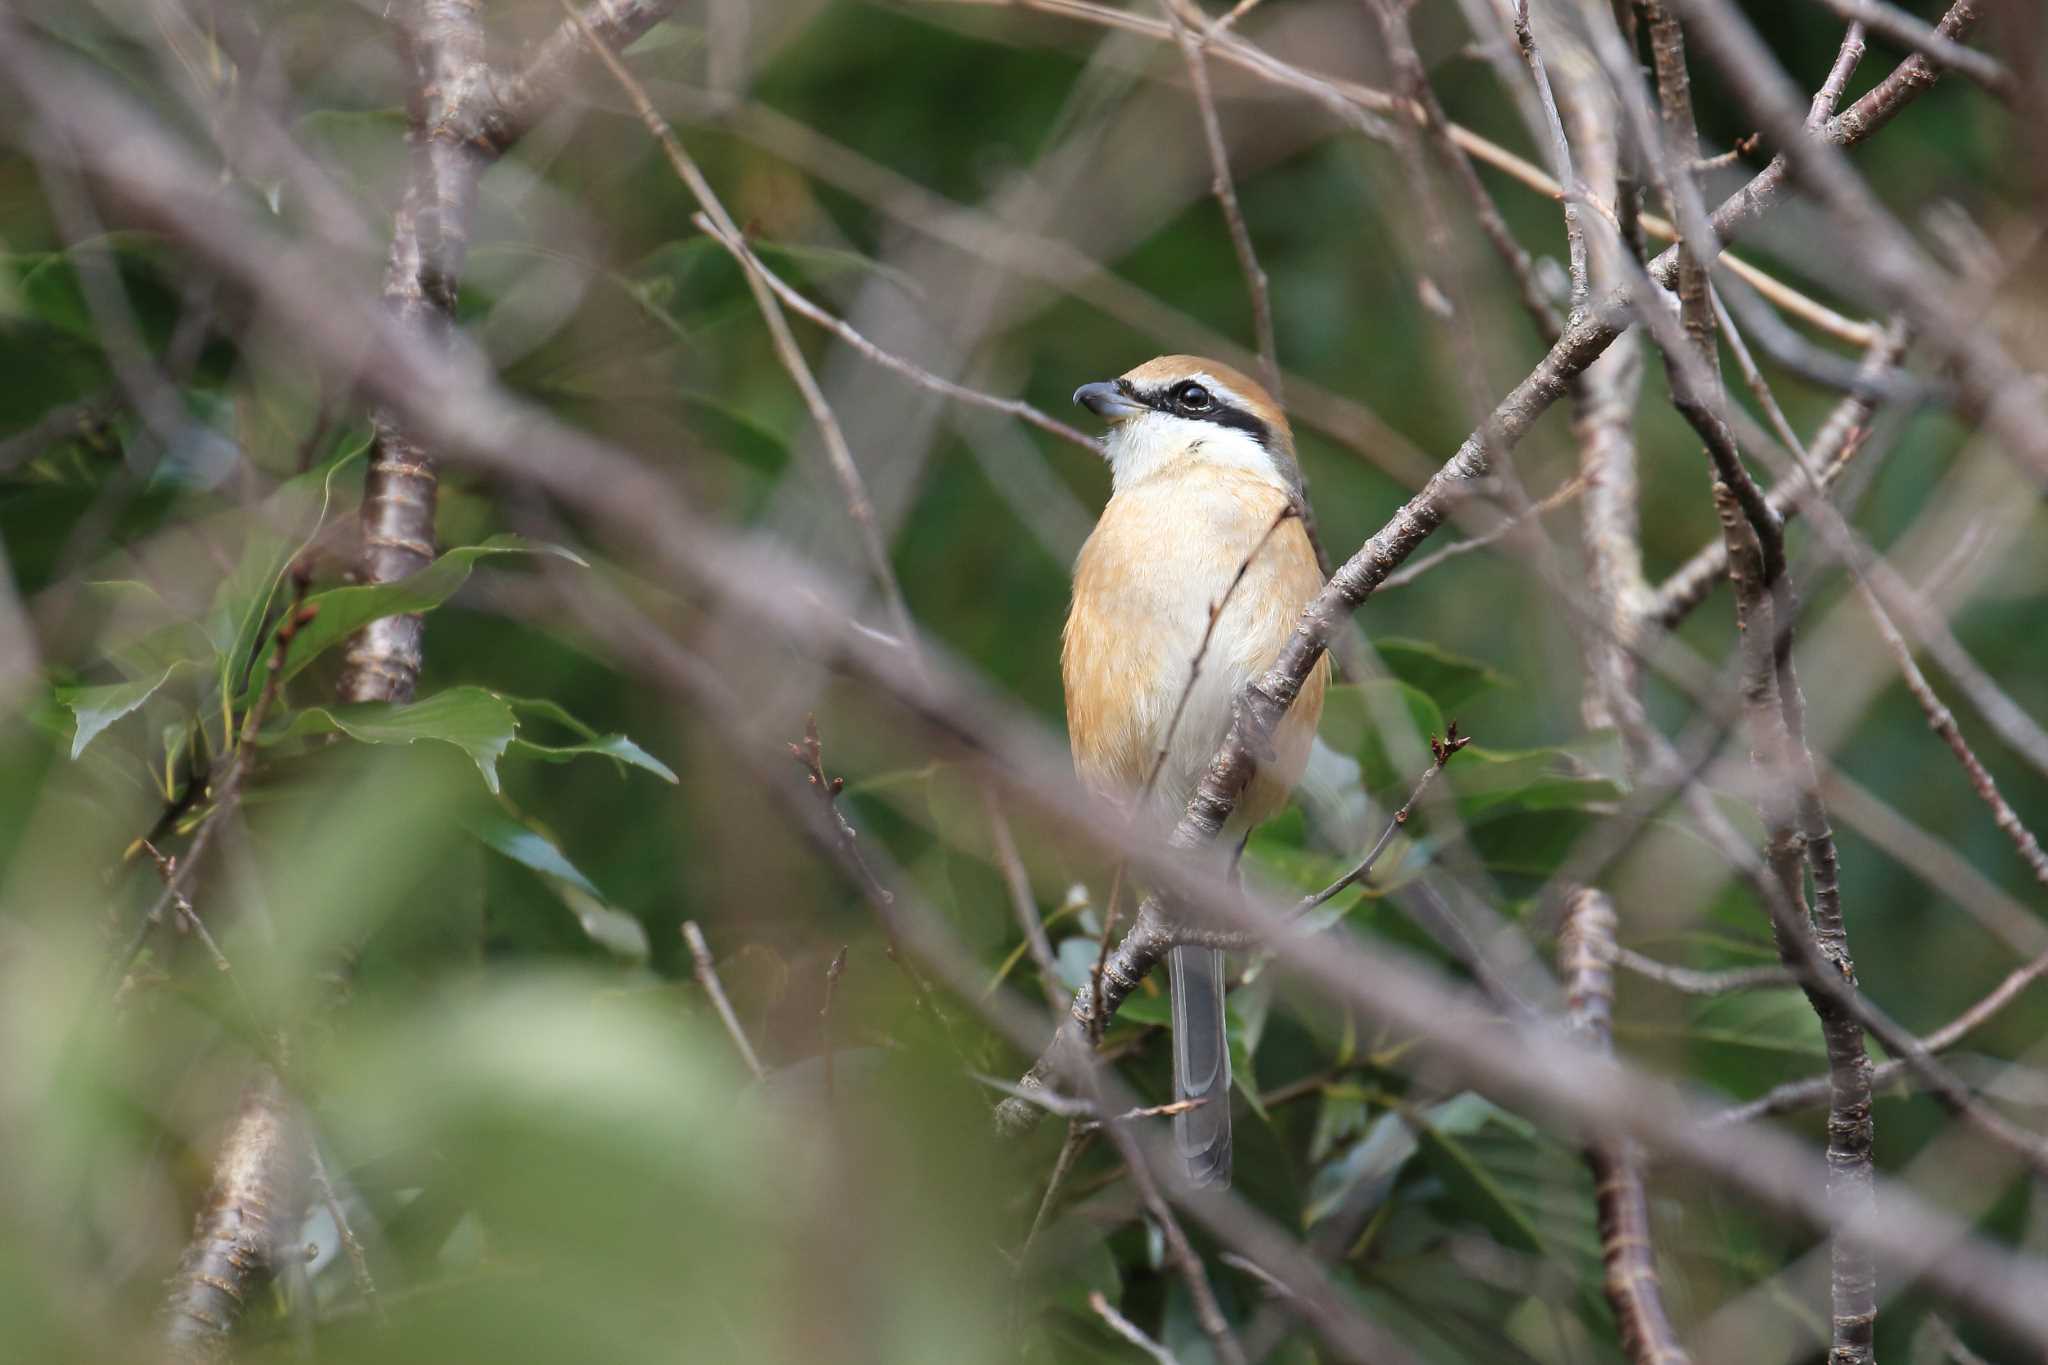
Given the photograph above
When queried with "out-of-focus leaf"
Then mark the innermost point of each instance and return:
(525, 845)
(1365, 1173)
(98, 707)
(607, 926)
(340, 612)
(1764, 1021)
(610, 928)
(47, 288)
(1351, 724)
(606, 746)
(1443, 1135)
(279, 531)
(473, 720)
(1450, 680)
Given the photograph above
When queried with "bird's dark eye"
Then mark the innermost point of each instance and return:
(1192, 397)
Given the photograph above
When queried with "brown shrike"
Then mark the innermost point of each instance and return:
(1203, 472)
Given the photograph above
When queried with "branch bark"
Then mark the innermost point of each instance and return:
(240, 1239)
(1585, 956)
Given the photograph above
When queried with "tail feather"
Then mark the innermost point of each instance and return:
(1201, 1063)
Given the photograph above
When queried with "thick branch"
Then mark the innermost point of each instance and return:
(259, 1186)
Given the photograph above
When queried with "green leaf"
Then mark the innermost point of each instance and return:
(1450, 680)
(1467, 1181)
(98, 707)
(607, 926)
(609, 746)
(525, 845)
(475, 721)
(340, 612)
(616, 747)
(279, 532)
(1355, 720)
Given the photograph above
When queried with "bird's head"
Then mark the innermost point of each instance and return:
(1181, 410)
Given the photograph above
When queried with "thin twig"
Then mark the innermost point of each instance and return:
(1225, 190)
(1915, 35)
(707, 977)
(1560, 154)
(1796, 1095)
(1077, 1139)
(1687, 981)
(1128, 1330)
(1585, 954)
(226, 798)
(1352, 95)
(1018, 883)
(1565, 492)
(833, 972)
(358, 1259)
(188, 918)
(1216, 610)
(724, 231)
(1441, 751)
(798, 303)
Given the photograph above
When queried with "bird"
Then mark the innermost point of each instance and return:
(1185, 591)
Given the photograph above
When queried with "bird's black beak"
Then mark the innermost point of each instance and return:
(1106, 401)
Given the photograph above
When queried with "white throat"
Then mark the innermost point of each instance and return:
(1152, 442)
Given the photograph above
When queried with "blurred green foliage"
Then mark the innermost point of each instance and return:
(471, 944)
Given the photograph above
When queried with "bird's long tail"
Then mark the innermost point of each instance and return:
(1201, 1063)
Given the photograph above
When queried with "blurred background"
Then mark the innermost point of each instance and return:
(456, 934)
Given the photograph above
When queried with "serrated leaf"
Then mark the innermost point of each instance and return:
(340, 612)
(473, 720)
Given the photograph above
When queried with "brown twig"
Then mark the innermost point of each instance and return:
(1687, 981)
(1225, 190)
(707, 977)
(1509, 523)
(723, 230)
(923, 378)
(1796, 1095)
(1891, 22)
(1216, 610)
(351, 1245)
(1441, 753)
(1585, 954)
